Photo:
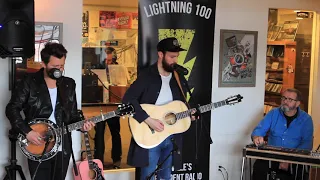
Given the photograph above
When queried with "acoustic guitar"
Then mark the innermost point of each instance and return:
(176, 119)
(90, 169)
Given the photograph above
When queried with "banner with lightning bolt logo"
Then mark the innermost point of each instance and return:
(192, 23)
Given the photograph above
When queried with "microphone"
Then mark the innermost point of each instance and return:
(180, 69)
(55, 73)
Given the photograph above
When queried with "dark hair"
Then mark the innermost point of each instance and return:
(298, 93)
(53, 49)
(109, 50)
(112, 51)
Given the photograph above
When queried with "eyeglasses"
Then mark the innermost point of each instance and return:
(283, 98)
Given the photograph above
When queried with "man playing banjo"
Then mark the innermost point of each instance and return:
(46, 94)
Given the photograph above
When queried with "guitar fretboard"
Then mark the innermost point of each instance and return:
(79, 125)
(88, 150)
(202, 109)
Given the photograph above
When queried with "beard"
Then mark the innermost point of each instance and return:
(47, 71)
(286, 108)
(166, 66)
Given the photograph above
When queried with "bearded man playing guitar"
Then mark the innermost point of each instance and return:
(156, 85)
(46, 94)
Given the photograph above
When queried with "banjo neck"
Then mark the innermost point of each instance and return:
(79, 125)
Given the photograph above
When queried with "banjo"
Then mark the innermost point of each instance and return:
(52, 133)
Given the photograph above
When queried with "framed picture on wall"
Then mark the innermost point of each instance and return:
(238, 57)
(289, 31)
(44, 32)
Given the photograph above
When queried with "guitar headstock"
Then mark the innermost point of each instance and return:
(233, 99)
(81, 115)
(124, 109)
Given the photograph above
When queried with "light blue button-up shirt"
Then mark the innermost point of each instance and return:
(299, 135)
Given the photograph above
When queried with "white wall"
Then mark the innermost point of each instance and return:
(231, 126)
(48, 11)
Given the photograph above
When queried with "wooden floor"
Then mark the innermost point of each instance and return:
(124, 132)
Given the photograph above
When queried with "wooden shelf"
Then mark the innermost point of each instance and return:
(279, 59)
(282, 43)
(274, 81)
(283, 52)
(273, 93)
(271, 104)
(274, 70)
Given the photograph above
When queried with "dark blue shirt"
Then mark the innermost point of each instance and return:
(299, 135)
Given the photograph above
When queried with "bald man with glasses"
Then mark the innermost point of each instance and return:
(287, 126)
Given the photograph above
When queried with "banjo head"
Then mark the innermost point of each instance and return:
(46, 128)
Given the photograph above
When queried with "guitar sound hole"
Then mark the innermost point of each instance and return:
(170, 118)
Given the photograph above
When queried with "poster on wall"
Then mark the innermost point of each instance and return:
(134, 20)
(44, 32)
(85, 24)
(107, 19)
(124, 20)
(192, 23)
(238, 58)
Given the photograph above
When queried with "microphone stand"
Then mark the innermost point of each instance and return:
(63, 128)
(174, 149)
(198, 110)
(198, 113)
(48, 139)
(62, 145)
(13, 167)
(119, 98)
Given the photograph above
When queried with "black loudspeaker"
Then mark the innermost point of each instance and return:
(89, 80)
(92, 94)
(17, 28)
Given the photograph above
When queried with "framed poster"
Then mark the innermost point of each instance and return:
(44, 32)
(238, 58)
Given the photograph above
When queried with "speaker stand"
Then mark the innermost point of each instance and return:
(13, 167)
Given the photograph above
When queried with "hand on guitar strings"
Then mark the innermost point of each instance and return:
(155, 124)
(87, 126)
(194, 115)
(35, 138)
(258, 140)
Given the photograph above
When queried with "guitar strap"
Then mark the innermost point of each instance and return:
(179, 83)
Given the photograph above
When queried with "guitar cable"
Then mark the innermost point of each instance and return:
(221, 167)
(222, 174)
(40, 161)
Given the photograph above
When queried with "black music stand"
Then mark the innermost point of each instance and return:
(13, 167)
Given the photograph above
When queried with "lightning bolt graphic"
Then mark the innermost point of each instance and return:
(185, 37)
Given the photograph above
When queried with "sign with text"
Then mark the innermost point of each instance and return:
(85, 24)
(192, 23)
(124, 20)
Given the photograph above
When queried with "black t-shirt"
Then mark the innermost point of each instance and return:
(290, 118)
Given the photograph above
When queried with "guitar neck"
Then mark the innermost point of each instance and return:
(88, 150)
(202, 109)
(96, 119)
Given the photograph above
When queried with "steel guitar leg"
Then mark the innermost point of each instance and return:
(242, 167)
(250, 166)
